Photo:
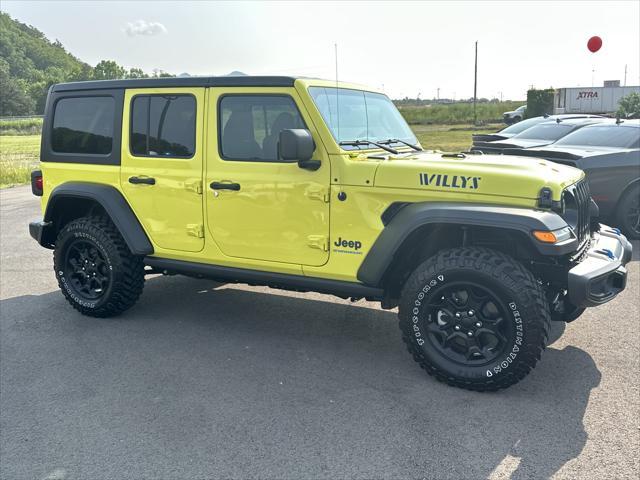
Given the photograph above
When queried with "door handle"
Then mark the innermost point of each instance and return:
(225, 186)
(143, 180)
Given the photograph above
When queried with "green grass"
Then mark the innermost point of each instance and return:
(448, 138)
(456, 113)
(19, 154)
(21, 126)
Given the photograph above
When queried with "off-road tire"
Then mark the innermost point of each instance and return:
(629, 201)
(511, 283)
(126, 270)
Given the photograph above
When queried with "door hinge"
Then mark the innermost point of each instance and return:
(194, 186)
(195, 230)
(318, 193)
(320, 242)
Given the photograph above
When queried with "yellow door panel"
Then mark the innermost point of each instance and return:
(161, 173)
(257, 207)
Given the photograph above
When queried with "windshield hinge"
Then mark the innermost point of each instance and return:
(320, 242)
(194, 186)
(318, 193)
(195, 230)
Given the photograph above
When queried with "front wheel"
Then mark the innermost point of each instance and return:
(629, 213)
(474, 318)
(96, 272)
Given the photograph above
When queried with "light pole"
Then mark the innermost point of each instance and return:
(475, 87)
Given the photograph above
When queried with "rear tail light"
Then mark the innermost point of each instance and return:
(37, 184)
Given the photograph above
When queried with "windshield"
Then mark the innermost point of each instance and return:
(545, 131)
(603, 136)
(361, 116)
(523, 125)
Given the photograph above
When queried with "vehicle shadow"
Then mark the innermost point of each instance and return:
(200, 382)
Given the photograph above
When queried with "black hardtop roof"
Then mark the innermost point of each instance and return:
(229, 81)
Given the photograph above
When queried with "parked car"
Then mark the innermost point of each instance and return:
(514, 116)
(520, 127)
(250, 180)
(609, 153)
(539, 135)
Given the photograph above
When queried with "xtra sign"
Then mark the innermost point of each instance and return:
(587, 94)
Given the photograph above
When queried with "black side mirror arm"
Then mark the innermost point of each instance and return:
(312, 165)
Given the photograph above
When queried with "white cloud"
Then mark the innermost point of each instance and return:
(142, 27)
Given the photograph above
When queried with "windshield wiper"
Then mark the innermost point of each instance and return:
(396, 140)
(357, 143)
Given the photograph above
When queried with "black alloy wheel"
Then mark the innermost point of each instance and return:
(86, 269)
(468, 324)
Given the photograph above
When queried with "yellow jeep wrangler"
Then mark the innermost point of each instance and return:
(310, 185)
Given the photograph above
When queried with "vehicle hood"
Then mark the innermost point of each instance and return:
(519, 143)
(571, 151)
(482, 175)
(490, 137)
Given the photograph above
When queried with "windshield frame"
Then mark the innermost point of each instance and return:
(342, 143)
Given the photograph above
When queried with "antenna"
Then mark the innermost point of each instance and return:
(337, 93)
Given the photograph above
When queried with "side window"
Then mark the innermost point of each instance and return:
(83, 125)
(163, 126)
(250, 125)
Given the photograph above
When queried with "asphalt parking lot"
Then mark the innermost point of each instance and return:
(238, 382)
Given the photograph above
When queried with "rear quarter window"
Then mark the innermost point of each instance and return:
(83, 125)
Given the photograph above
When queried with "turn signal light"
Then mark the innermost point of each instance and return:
(546, 237)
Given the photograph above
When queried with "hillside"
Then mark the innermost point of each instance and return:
(29, 63)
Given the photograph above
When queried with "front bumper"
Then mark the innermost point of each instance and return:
(601, 275)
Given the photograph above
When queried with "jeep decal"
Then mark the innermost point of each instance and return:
(347, 246)
(449, 181)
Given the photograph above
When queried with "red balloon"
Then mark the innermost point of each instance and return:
(594, 44)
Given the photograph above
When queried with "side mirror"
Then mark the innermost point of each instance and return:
(297, 144)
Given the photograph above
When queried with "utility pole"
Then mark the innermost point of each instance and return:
(438, 94)
(625, 75)
(475, 87)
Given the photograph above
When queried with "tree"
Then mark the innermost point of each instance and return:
(108, 70)
(629, 106)
(136, 73)
(539, 102)
(14, 99)
(157, 73)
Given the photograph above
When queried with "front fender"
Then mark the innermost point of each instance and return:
(416, 215)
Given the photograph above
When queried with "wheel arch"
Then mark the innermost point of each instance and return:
(72, 200)
(631, 184)
(416, 231)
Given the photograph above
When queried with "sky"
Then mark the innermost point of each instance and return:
(405, 48)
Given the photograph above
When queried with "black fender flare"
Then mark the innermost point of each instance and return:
(114, 204)
(412, 216)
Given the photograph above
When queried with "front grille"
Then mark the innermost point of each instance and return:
(577, 200)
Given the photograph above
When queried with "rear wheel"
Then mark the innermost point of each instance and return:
(629, 213)
(96, 272)
(474, 318)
